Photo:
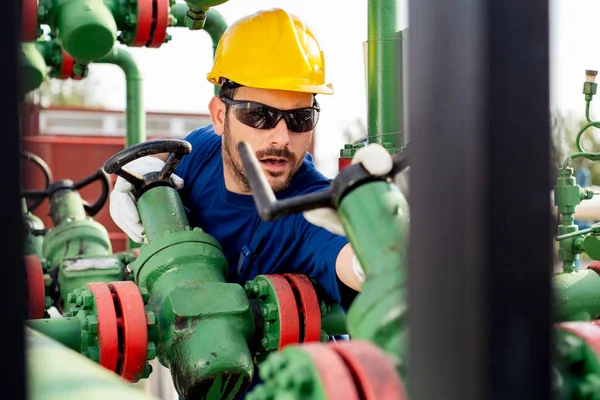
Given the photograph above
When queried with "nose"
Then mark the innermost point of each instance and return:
(279, 136)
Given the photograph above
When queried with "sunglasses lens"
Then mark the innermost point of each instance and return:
(255, 115)
(303, 120)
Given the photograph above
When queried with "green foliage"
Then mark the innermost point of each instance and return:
(68, 93)
(565, 127)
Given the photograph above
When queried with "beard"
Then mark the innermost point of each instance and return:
(232, 160)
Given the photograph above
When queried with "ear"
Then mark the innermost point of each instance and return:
(216, 108)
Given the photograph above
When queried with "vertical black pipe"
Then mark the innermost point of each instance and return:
(12, 295)
(480, 255)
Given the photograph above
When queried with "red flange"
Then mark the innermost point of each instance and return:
(289, 323)
(589, 332)
(36, 288)
(29, 13)
(131, 323)
(108, 337)
(160, 23)
(66, 69)
(143, 26)
(595, 266)
(336, 379)
(308, 307)
(374, 373)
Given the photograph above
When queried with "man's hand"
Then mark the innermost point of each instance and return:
(377, 161)
(122, 207)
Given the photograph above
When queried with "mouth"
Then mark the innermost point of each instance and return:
(274, 163)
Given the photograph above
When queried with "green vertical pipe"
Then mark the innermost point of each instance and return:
(66, 206)
(162, 212)
(134, 113)
(55, 372)
(385, 115)
(378, 313)
(66, 331)
(576, 295)
(215, 25)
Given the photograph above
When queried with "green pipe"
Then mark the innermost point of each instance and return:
(86, 28)
(54, 372)
(205, 323)
(215, 25)
(134, 113)
(162, 212)
(33, 67)
(385, 115)
(66, 331)
(577, 295)
(378, 314)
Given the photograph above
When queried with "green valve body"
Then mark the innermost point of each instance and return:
(78, 246)
(205, 323)
(86, 28)
(576, 295)
(378, 313)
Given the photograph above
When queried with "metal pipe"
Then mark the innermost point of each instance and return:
(161, 211)
(480, 255)
(55, 372)
(215, 25)
(385, 113)
(134, 113)
(66, 331)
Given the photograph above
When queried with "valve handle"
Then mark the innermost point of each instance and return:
(104, 179)
(176, 147)
(269, 208)
(37, 196)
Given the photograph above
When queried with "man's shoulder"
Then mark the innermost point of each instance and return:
(204, 135)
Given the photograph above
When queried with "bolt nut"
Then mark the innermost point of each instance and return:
(151, 354)
(87, 300)
(145, 295)
(150, 318)
(92, 321)
(269, 312)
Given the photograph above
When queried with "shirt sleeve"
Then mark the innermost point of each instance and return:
(317, 255)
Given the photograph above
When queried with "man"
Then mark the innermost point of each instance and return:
(270, 68)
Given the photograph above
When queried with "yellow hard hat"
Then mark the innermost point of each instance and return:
(270, 49)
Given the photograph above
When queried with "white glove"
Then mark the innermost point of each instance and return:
(122, 207)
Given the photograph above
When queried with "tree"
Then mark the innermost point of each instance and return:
(67, 92)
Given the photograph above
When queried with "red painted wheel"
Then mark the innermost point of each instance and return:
(36, 288)
(308, 307)
(108, 337)
(373, 371)
(144, 23)
(160, 23)
(589, 332)
(336, 379)
(131, 323)
(29, 20)
(289, 323)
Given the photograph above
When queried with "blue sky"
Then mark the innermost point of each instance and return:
(174, 74)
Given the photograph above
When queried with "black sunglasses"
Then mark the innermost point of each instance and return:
(260, 116)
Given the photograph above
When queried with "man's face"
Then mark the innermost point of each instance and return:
(279, 151)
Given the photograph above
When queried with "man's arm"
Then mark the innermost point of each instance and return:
(344, 267)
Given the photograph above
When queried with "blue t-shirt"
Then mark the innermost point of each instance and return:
(289, 245)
